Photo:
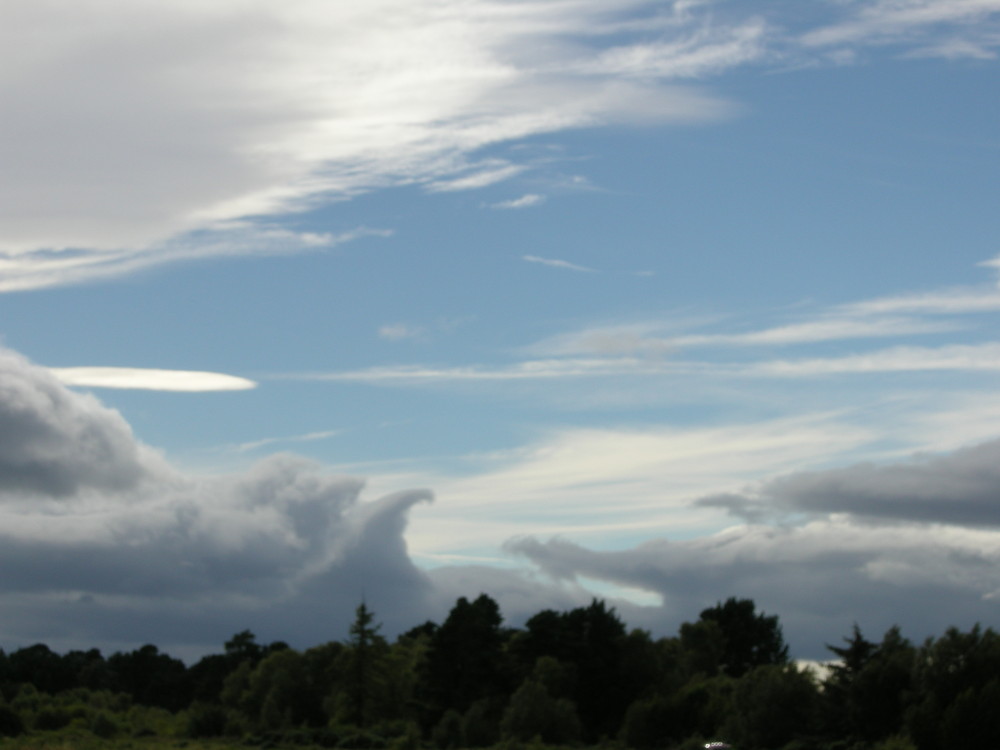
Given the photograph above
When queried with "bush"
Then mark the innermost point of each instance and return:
(50, 719)
(205, 720)
(104, 726)
(10, 723)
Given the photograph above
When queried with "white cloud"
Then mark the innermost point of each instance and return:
(707, 51)
(130, 129)
(150, 380)
(479, 179)
(45, 269)
(556, 263)
(400, 331)
(895, 20)
(529, 370)
(529, 199)
(309, 437)
(971, 357)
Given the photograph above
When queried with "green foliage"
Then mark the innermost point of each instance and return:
(865, 695)
(10, 722)
(748, 639)
(532, 712)
(772, 706)
(580, 676)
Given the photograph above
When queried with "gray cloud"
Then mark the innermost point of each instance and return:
(103, 543)
(60, 443)
(960, 488)
(100, 528)
(820, 578)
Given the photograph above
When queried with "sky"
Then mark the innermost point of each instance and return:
(656, 301)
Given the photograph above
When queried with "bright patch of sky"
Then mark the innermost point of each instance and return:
(596, 275)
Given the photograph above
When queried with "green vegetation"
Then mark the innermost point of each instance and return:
(566, 679)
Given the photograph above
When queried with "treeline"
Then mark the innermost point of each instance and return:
(566, 678)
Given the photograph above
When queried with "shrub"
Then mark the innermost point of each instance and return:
(10, 723)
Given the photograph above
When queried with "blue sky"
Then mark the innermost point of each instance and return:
(661, 301)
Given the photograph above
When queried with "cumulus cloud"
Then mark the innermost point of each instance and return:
(89, 513)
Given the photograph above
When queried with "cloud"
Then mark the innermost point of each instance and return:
(655, 337)
(306, 438)
(525, 201)
(41, 269)
(479, 179)
(88, 512)
(150, 380)
(820, 577)
(131, 132)
(707, 51)
(886, 21)
(961, 488)
(556, 263)
(399, 331)
(972, 357)
(106, 544)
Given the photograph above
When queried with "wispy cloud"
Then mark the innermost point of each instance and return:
(898, 20)
(307, 438)
(400, 331)
(479, 179)
(971, 358)
(19, 271)
(525, 201)
(707, 51)
(556, 263)
(270, 111)
(530, 370)
(150, 380)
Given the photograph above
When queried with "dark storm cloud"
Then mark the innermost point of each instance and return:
(960, 488)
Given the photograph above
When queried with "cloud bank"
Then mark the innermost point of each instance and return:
(103, 542)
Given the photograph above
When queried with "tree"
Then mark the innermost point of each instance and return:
(534, 712)
(465, 658)
(749, 639)
(865, 694)
(953, 677)
(364, 667)
(772, 705)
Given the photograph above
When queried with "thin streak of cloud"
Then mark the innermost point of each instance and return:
(480, 179)
(971, 358)
(307, 438)
(891, 19)
(945, 302)
(20, 272)
(150, 380)
(530, 370)
(556, 263)
(525, 201)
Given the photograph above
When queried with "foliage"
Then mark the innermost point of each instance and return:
(748, 639)
(565, 678)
